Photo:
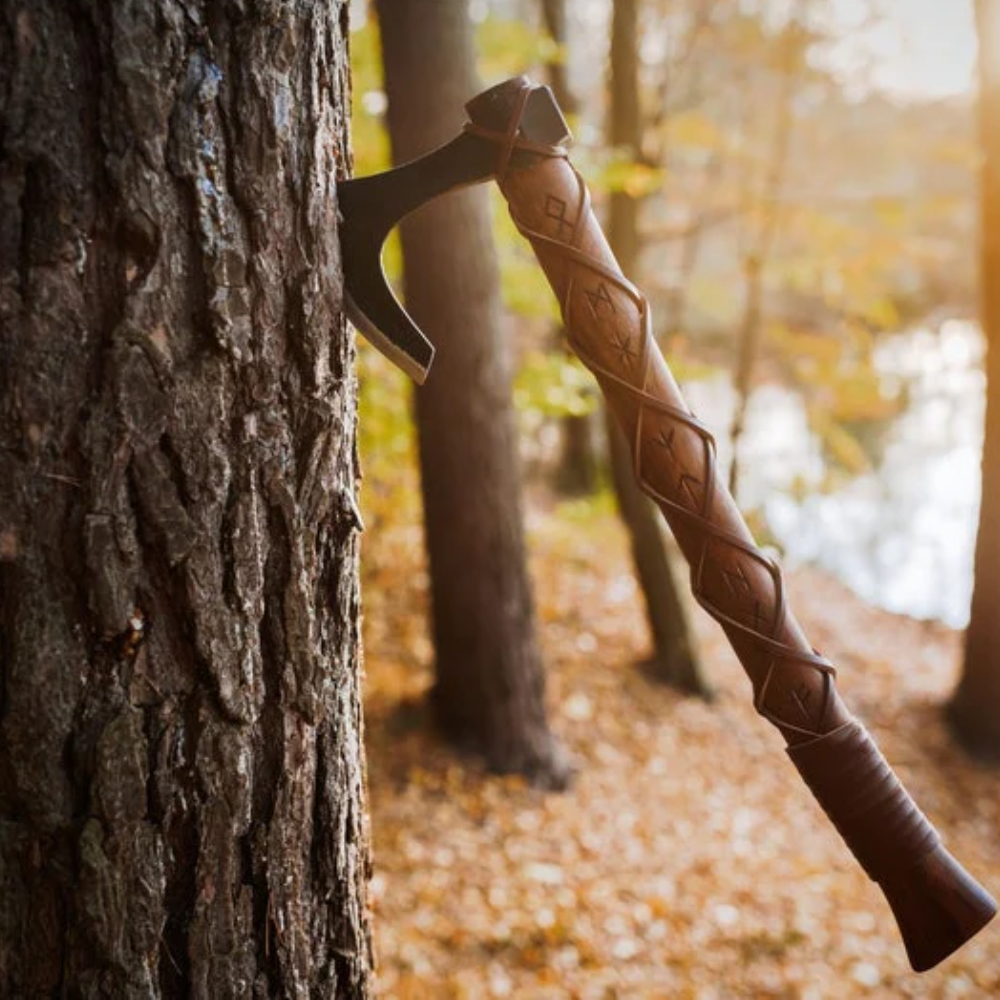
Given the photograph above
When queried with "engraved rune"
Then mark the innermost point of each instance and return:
(801, 698)
(686, 485)
(666, 440)
(599, 298)
(555, 208)
(623, 346)
(741, 588)
(737, 582)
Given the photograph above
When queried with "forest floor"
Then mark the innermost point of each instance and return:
(687, 860)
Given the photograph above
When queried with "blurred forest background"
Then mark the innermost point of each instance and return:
(796, 188)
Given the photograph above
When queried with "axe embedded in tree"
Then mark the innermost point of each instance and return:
(515, 135)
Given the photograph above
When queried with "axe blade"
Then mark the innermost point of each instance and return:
(395, 335)
(370, 207)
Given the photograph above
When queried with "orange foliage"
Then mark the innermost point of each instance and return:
(688, 861)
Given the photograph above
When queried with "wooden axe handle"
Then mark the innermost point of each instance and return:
(936, 903)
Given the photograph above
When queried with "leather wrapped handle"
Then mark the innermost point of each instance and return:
(937, 904)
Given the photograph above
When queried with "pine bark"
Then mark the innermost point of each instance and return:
(975, 708)
(182, 789)
(489, 693)
(675, 657)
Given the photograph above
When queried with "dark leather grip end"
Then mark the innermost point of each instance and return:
(937, 904)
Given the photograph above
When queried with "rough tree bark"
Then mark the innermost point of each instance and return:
(489, 695)
(974, 710)
(182, 797)
(674, 658)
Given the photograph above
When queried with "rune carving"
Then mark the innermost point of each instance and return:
(609, 327)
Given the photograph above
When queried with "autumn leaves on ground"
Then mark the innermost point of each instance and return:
(688, 859)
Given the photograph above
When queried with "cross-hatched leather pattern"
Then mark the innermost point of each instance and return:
(609, 327)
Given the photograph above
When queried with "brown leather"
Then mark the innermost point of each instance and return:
(852, 781)
(608, 325)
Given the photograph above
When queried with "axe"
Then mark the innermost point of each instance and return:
(516, 135)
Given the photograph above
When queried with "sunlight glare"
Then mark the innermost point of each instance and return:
(918, 48)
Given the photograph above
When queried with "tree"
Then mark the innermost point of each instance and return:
(182, 788)
(974, 710)
(578, 468)
(761, 213)
(674, 656)
(557, 69)
(489, 694)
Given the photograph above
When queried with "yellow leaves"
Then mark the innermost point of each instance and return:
(826, 234)
(633, 178)
(890, 212)
(695, 130)
(841, 446)
(384, 425)
(411, 986)
(553, 384)
(716, 297)
(843, 391)
(811, 352)
(369, 139)
(507, 47)
(882, 312)
(668, 870)
(958, 152)
(525, 291)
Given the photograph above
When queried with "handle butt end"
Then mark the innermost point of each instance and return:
(938, 906)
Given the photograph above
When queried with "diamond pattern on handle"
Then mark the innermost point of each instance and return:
(608, 326)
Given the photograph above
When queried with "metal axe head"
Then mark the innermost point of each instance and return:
(371, 207)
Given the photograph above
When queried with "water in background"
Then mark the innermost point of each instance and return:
(901, 536)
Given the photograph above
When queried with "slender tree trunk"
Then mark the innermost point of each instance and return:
(675, 659)
(761, 239)
(554, 17)
(489, 695)
(182, 798)
(746, 361)
(578, 470)
(975, 708)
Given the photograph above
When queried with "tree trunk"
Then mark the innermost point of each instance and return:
(554, 18)
(489, 695)
(182, 796)
(975, 708)
(674, 659)
(766, 206)
(578, 470)
(748, 349)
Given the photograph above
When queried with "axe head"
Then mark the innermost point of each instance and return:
(370, 207)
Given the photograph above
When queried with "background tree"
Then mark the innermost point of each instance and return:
(489, 692)
(761, 215)
(182, 798)
(674, 657)
(554, 18)
(578, 465)
(975, 708)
